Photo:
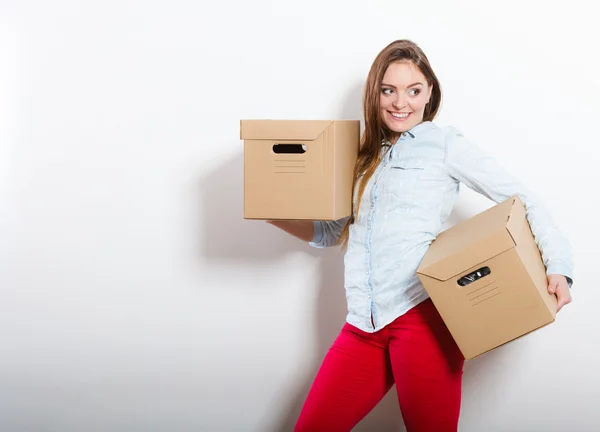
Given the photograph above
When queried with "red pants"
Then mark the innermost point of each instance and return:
(416, 352)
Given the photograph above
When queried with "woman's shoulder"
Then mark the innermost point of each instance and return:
(441, 134)
(449, 138)
(450, 130)
(451, 135)
(441, 130)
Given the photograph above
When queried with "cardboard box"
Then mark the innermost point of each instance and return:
(486, 278)
(299, 169)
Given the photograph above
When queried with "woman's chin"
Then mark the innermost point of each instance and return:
(396, 128)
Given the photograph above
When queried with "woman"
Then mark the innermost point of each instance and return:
(406, 183)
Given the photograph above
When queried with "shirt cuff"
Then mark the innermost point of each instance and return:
(561, 269)
(317, 240)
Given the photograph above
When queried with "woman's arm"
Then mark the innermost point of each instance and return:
(477, 169)
(319, 234)
(304, 230)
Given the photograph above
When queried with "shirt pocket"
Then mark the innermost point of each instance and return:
(404, 176)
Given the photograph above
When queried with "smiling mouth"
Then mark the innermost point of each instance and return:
(399, 116)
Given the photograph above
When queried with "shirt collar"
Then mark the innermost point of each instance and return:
(418, 130)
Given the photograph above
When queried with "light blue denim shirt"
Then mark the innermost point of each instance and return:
(403, 209)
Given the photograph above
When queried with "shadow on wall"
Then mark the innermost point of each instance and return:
(228, 237)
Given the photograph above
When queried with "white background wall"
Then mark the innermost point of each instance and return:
(134, 297)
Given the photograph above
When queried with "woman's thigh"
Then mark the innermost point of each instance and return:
(354, 376)
(427, 367)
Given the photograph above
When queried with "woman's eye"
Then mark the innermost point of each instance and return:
(414, 92)
(386, 91)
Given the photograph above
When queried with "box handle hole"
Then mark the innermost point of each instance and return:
(474, 276)
(289, 148)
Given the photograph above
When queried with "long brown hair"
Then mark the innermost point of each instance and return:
(375, 131)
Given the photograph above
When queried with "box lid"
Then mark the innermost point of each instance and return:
(282, 129)
(474, 241)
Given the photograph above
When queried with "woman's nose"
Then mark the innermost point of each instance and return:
(399, 102)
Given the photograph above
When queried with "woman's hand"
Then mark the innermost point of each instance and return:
(558, 285)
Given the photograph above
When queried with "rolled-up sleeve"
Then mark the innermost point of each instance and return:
(327, 233)
(478, 170)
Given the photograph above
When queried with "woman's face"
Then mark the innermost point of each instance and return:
(404, 94)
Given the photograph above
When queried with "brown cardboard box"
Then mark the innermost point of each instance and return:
(299, 169)
(487, 279)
